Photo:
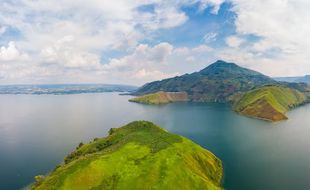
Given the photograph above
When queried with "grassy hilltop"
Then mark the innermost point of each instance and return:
(139, 155)
(269, 102)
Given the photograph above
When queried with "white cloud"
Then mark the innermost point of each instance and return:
(190, 59)
(143, 64)
(164, 16)
(11, 53)
(202, 49)
(63, 42)
(182, 51)
(234, 41)
(209, 37)
(213, 3)
(150, 75)
(148, 63)
(283, 28)
(64, 53)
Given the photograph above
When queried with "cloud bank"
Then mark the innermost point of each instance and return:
(106, 41)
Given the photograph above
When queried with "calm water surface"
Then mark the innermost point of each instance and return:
(37, 131)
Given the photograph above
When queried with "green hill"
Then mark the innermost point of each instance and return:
(139, 155)
(269, 102)
(161, 98)
(216, 83)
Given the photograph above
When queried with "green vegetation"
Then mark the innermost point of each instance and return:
(216, 83)
(269, 102)
(161, 98)
(137, 156)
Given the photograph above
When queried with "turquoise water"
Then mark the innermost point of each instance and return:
(37, 131)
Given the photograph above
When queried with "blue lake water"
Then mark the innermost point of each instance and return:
(37, 131)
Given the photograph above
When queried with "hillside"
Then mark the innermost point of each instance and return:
(216, 83)
(139, 155)
(161, 98)
(269, 102)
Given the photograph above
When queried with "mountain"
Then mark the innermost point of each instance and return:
(301, 79)
(269, 102)
(216, 83)
(250, 93)
(139, 155)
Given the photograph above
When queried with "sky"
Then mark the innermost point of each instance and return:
(138, 41)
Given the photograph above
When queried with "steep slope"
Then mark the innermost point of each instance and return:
(137, 156)
(216, 83)
(269, 102)
(161, 98)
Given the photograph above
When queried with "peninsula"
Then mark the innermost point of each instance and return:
(139, 155)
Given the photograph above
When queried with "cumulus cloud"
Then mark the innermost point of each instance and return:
(142, 64)
(11, 53)
(64, 53)
(148, 63)
(234, 41)
(65, 41)
(150, 75)
(164, 16)
(282, 27)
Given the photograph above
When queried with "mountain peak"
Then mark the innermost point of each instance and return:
(221, 66)
(221, 63)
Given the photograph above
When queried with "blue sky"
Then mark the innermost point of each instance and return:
(137, 41)
(193, 32)
(199, 24)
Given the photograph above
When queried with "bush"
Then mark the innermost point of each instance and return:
(96, 139)
(111, 131)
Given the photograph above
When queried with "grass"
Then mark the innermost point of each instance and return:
(269, 102)
(139, 155)
(160, 98)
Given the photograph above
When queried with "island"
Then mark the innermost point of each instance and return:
(139, 155)
(250, 93)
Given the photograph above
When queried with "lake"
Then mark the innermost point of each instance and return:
(37, 131)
